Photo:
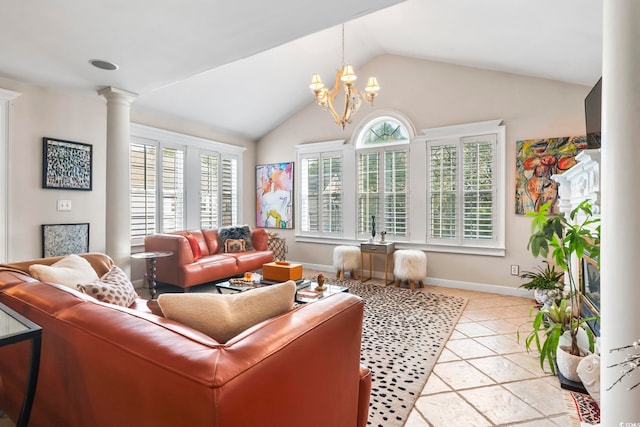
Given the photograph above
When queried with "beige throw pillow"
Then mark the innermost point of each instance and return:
(69, 271)
(223, 316)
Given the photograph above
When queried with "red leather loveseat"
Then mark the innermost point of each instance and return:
(209, 262)
(104, 365)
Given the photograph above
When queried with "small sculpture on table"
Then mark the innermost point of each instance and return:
(320, 280)
(382, 236)
(373, 228)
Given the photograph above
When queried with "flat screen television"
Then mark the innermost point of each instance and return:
(593, 115)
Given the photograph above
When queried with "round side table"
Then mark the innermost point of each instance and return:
(151, 277)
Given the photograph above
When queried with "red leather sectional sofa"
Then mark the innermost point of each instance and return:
(184, 270)
(103, 365)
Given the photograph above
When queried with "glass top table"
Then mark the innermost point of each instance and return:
(15, 328)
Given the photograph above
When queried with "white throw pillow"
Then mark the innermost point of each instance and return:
(223, 316)
(69, 271)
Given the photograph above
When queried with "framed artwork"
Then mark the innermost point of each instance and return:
(64, 239)
(536, 161)
(66, 165)
(274, 195)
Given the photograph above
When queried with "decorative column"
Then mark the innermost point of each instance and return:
(118, 211)
(6, 96)
(620, 316)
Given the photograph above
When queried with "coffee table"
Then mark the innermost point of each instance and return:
(303, 284)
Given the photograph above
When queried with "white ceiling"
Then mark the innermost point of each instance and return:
(243, 67)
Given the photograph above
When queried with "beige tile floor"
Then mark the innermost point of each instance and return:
(483, 377)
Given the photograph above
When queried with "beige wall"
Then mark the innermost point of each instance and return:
(35, 114)
(431, 95)
(40, 112)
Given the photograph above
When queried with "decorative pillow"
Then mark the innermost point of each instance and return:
(240, 232)
(195, 246)
(233, 246)
(69, 271)
(223, 316)
(114, 287)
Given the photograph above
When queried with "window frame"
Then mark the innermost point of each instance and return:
(456, 134)
(417, 202)
(193, 147)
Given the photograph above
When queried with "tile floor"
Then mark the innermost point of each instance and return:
(484, 377)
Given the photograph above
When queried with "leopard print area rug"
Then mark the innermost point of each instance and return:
(403, 335)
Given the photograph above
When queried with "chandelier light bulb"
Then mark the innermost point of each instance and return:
(348, 75)
(316, 82)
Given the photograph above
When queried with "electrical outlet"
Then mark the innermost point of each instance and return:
(515, 270)
(64, 205)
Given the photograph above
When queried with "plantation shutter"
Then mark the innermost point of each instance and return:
(395, 192)
(478, 187)
(209, 205)
(332, 194)
(368, 189)
(229, 192)
(442, 160)
(310, 183)
(143, 191)
(172, 189)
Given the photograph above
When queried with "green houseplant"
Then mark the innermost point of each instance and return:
(546, 282)
(563, 238)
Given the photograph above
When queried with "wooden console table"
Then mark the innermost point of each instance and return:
(386, 249)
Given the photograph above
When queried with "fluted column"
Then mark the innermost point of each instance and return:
(118, 229)
(620, 206)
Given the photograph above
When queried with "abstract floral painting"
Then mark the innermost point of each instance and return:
(274, 195)
(64, 239)
(536, 161)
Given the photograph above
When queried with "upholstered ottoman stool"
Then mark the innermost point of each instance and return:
(411, 265)
(346, 258)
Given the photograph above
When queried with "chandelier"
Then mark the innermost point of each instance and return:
(352, 98)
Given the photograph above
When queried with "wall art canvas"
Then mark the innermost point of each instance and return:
(274, 191)
(64, 239)
(536, 161)
(66, 164)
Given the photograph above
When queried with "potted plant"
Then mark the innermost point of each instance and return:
(565, 238)
(545, 282)
(549, 325)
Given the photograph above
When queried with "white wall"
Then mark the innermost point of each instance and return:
(433, 94)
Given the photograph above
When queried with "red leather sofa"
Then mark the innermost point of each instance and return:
(103, 365)
(184, 270)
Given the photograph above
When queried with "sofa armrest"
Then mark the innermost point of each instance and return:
(169, 269)
(298, 365)
(260, 239)
(364, 396)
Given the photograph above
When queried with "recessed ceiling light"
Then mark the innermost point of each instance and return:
(103, 65)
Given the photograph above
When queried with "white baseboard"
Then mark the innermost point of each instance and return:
(469, 286)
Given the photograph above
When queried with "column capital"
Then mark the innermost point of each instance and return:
(112, 93)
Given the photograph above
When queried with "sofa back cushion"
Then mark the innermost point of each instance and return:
(211, 238)
(260, 239)
(100, 262)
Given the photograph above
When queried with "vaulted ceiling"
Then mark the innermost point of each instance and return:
(244, 67)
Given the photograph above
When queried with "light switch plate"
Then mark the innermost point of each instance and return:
(64, 205)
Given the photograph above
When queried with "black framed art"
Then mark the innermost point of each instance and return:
(64, 239)
(66, 165)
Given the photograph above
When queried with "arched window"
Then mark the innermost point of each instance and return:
(382, 160)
